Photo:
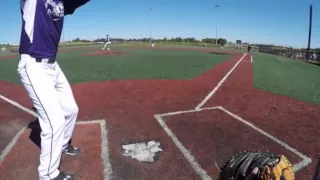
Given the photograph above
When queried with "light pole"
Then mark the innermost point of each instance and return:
(150, 26)
(217, 6)
(309, 37)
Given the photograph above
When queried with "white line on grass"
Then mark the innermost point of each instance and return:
(251, 59)
(201, 172)
(219, 84)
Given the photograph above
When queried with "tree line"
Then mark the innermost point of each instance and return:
(220, 41)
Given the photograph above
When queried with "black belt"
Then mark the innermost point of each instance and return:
(46, 60)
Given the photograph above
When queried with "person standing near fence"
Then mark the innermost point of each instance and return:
(249, 48)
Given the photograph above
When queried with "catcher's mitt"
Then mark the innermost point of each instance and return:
(271, 166)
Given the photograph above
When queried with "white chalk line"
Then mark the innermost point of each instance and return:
(296, 167)
(306, 160)
(107, 170)
(195, 165)
(13, 142)
(187, 111)
(29, 111)
(219, 84)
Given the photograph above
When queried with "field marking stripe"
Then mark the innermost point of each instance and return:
(187, 111)
(29, 111)
(298, 166)
(201, 172)
(219, 84)
(99, 121)
(12, 143)
(251, 59)
(107, 170)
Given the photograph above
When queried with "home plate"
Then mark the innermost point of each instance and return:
(142, 151)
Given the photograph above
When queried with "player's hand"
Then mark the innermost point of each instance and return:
(253, 174)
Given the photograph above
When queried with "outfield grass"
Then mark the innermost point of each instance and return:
(285, 76)
(4, 54)
(141, 64)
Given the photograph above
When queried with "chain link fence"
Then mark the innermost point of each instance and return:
(298, 54)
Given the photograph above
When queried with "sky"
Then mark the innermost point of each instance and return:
(278, 22)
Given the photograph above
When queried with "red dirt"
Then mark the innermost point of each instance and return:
(213, 136)
(128, 108)
(12, 120)
(113, 52)
(88, 164)
(25, 156)
(15, 92)
(7, 57)
(292, 121)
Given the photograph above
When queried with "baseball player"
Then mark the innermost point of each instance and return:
(249, 48)
(107, 44)
(45, 83)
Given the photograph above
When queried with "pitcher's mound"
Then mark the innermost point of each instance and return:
(101, 52)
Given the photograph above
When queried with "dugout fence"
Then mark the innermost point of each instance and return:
(298, 54)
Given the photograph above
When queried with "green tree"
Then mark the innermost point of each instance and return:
(178, 39)
(189, 39)
(222, 41)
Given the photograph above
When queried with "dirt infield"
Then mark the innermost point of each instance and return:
(101, 53)
(203, 118)
(213, 137)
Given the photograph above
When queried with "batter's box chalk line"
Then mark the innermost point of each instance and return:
(107, 170)
(215, 89)
(200, 171)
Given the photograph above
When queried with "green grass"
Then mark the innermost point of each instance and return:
(285, 76)
(8, 70)
(4, 54)
(141, 64)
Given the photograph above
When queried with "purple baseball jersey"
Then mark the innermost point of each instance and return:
(42, 23)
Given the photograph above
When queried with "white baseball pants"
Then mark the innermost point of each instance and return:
(56, 107)
(106, 45)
